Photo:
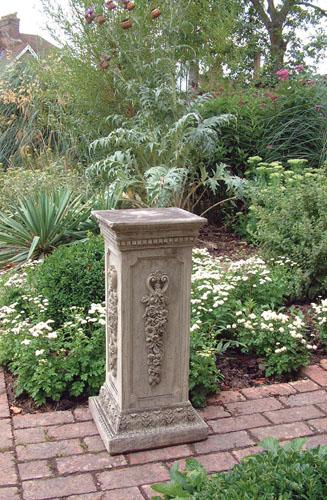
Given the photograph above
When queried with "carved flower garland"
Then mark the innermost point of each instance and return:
(156, 321)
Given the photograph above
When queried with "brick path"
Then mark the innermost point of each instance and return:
(60, 455)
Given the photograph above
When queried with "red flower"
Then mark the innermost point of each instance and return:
(283, 75)
(300, 68)
(272, 97)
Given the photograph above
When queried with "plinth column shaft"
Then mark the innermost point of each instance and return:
(144, 400)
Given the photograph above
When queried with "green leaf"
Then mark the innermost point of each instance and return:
(270, 444)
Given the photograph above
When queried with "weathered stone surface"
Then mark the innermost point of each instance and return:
(43, 489)
(5, 434)
(268, 390)
(144, 401)
(316, 374)
(293, 414)
(160, 454)
(238, 423)
(49, 449)
(8, 475)
(285, 431)
(42, 419)
(89, 462)
(34, 470)
(9, 494)
(305, 398)
(254, 406)
(220, 442)
(132, 476)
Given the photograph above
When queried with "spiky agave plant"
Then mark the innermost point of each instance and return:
(40, 222)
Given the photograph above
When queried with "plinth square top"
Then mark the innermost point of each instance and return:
(145, 217)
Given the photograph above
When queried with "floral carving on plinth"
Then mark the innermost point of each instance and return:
(156, 322)
(112, 319)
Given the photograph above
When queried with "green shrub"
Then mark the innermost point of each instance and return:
(279, 338)
(231, 304)
(72, 276)
(288, 216)
(204, 377)
(278, 473)
(48, 363)
(288, 121)
(319, 315)
(18, 182)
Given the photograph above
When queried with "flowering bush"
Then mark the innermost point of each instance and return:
(49, 363)
(279, 338)
(320, 319)
(231, 305)
(288, 216)
(63, 353)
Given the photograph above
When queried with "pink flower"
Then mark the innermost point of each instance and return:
(283, 75)
(300, 68)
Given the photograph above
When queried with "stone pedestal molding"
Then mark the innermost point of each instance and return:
(144, 400)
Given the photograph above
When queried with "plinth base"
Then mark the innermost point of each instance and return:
(141, 430)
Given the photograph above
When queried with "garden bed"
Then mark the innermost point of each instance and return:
(226, 272)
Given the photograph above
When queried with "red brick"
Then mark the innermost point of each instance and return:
(211, 412)
(34, 470)
(82, 413)
(133, 476)
(253, 406)
(305, 398)
(304, 385)
(247, 452)
(42, 489)
(268, 390)
(42, 419)
(124, 494)
(314, 441)
(88, 462)
(222, 442)
(224, 397)
(2, 384)
(5, 434)
(8, 473)
(32, 435)
(49, 450)
(216, 462)
(94, 443)
(316, 374)
(293, 414)
(4, 408)
(168, 453)
(323, 407)
(319, 423)
(285, 431)
(87, 496)
(9, 494)
(77, 429)
(238, 423)
(148, 492)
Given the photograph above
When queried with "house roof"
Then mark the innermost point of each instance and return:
(15, 44)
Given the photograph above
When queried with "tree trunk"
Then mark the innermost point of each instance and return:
(277, 47)
(193, 76)
(257, 64)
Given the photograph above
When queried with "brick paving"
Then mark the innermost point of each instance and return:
(59, 455)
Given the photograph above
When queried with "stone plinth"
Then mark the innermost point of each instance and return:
(144, 400)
